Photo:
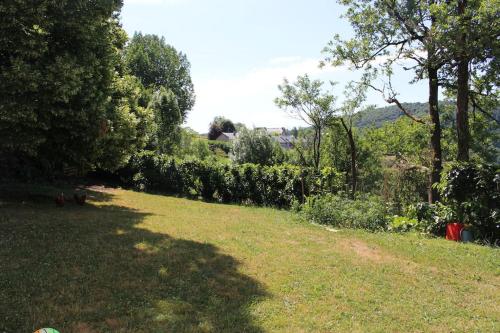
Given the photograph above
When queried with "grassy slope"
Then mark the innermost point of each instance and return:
(132, 262)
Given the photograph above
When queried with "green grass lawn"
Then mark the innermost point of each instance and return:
(135, 262)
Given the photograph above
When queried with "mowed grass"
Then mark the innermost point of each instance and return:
(135, 262)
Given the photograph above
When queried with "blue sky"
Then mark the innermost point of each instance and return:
(240, 50)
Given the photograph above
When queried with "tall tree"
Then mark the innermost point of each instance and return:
(128, 127)
(158, 64)
(305, 100)
(57, 64)
(470, 30)
(396, 30)
(355, 97)
(168, 118)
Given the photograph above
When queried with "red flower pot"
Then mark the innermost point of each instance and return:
(453, 231)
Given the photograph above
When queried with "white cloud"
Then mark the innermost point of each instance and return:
(249, 98)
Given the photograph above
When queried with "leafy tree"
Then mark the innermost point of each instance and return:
(396, 30)
(305, 100)
(239, 127)
(220, 125)
(450, 43)
(57, 65)
(200, 149)
(157, 65)
(403, 138)
(129, 126)
(168, 118)
(355, 96)
(469, 29)
(335, 150)
(257, 147)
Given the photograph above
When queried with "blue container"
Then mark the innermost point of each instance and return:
(466, 236)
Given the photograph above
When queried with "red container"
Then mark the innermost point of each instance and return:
(453, 231)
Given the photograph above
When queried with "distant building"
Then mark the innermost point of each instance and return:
(285, 141)
(226, 137)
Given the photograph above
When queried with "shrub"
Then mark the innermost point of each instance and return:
(215, 146)
(431, 218)
(404, 184)
(277, 185)
(338, 211)
(472, 191)
(402, 224)
(256, 146)
(200, 149)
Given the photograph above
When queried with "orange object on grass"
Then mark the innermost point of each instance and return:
(453, 231)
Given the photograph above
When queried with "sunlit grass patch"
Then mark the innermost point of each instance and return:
(134, 262)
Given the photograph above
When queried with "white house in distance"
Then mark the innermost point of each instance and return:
(277, 134)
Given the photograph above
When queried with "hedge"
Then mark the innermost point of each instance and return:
(277, 186)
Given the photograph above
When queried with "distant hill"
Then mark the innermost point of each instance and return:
(378, 116)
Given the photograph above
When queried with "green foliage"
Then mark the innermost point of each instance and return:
(473, 192)
(335, 148)
(330, 180)
(278, 185)
(305, 99)
(424, 217)
(432, 218)
(402, 224)
(57, 67)
(200, 149)
(157, 64)
(394, 161)
(340, 212)
(403, 138)
(404, 184)
(167, 119)
(256, 146)
(129, 126)
(220, 146)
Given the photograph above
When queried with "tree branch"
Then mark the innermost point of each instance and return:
(394, 100)
(476, 105)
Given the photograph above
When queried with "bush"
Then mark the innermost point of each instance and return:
(431, 218)
(472, 191)
(278, 185)
(256, 146)
(404, 184)
(215, 146)
(402, 224)
(338, 211)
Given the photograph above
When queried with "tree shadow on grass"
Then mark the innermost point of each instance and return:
(94, 269)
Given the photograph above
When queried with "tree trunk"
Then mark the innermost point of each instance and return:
(462, 110)
(318, 149)
(354, 170)
(315, 142)
(436, 167)
(352, 149)
(463, 134)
